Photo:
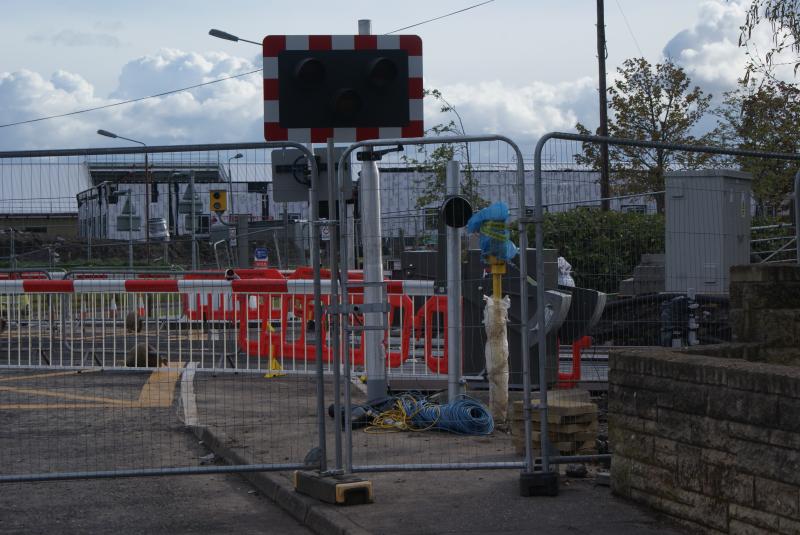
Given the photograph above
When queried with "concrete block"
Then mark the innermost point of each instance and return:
(665, 453)
(630, 444)
(652, 259)
(788, 527)
(745, 407)
(642, 287)
(789, 414)
(737, 527)
(627, 287)
(693, 430)
(648, 273)
(754, 517)
(776, 497)
(692, 398)
(689, 474)
(726, 482)
(703, 510)
(765, 273)
(776, 463)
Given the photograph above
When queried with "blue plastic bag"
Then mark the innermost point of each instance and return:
(491, 224)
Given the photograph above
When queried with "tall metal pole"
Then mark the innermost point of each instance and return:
(194, 222)
(130, 228)
(333, 245)
(13, 254)
(315, 262)
(148, 191)
(371, 239)
(371, 234)
(454, 387)
(605, 185)
(89, 241)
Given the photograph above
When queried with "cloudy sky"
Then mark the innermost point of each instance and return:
(516, 67)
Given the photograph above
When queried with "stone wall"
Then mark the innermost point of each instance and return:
(713, 442)
(765, 310)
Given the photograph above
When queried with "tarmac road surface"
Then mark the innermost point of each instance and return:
(208, 504)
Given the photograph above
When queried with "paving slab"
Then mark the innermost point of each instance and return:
(477, 501)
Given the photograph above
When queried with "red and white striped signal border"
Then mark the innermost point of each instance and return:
(275, 44)
(246, 286)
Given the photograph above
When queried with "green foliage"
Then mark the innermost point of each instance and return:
(652, 103)
(603, 247)
(763, 116)
(434, 165)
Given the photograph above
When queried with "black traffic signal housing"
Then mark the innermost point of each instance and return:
(343, 88)
(218, 200)
(112, 195)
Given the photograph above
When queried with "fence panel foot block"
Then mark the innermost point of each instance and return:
(338, 489)
(538, 484)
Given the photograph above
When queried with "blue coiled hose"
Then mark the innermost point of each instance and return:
(464, 416)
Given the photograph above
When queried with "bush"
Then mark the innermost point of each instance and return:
(603, 247)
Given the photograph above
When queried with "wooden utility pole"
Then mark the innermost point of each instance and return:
(605, 188)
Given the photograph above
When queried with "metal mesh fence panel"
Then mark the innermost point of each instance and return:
(121, 331)
(415, 425)
(651, 270)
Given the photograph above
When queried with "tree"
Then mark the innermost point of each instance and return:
(435, 163)
(763, 116)
(653, 103)
(783, 16)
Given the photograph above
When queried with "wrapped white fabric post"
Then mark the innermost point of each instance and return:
(565, 272)
(495, 318)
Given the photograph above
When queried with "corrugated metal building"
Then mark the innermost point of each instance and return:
(39, 196)
(90, 196)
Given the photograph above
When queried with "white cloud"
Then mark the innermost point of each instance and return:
(524, 112)
(233, 110)
(709, 51)
(220, 112)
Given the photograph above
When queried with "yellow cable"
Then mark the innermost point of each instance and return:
(397, 419)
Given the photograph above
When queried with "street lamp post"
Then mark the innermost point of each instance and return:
(229, 37)
(128, 192)
(147, 186)
(230, 182)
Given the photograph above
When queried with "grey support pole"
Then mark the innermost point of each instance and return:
(541, 331)
(194, 222)
(372, 243)
(454, 322)
(130, 229)
(335, 218)
(315, 263)
(371, 234)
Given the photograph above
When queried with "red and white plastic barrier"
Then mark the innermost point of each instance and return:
(273, 302)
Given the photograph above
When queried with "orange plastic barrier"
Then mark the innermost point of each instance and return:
(201, 307)
(425, 315)
(300, 348)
